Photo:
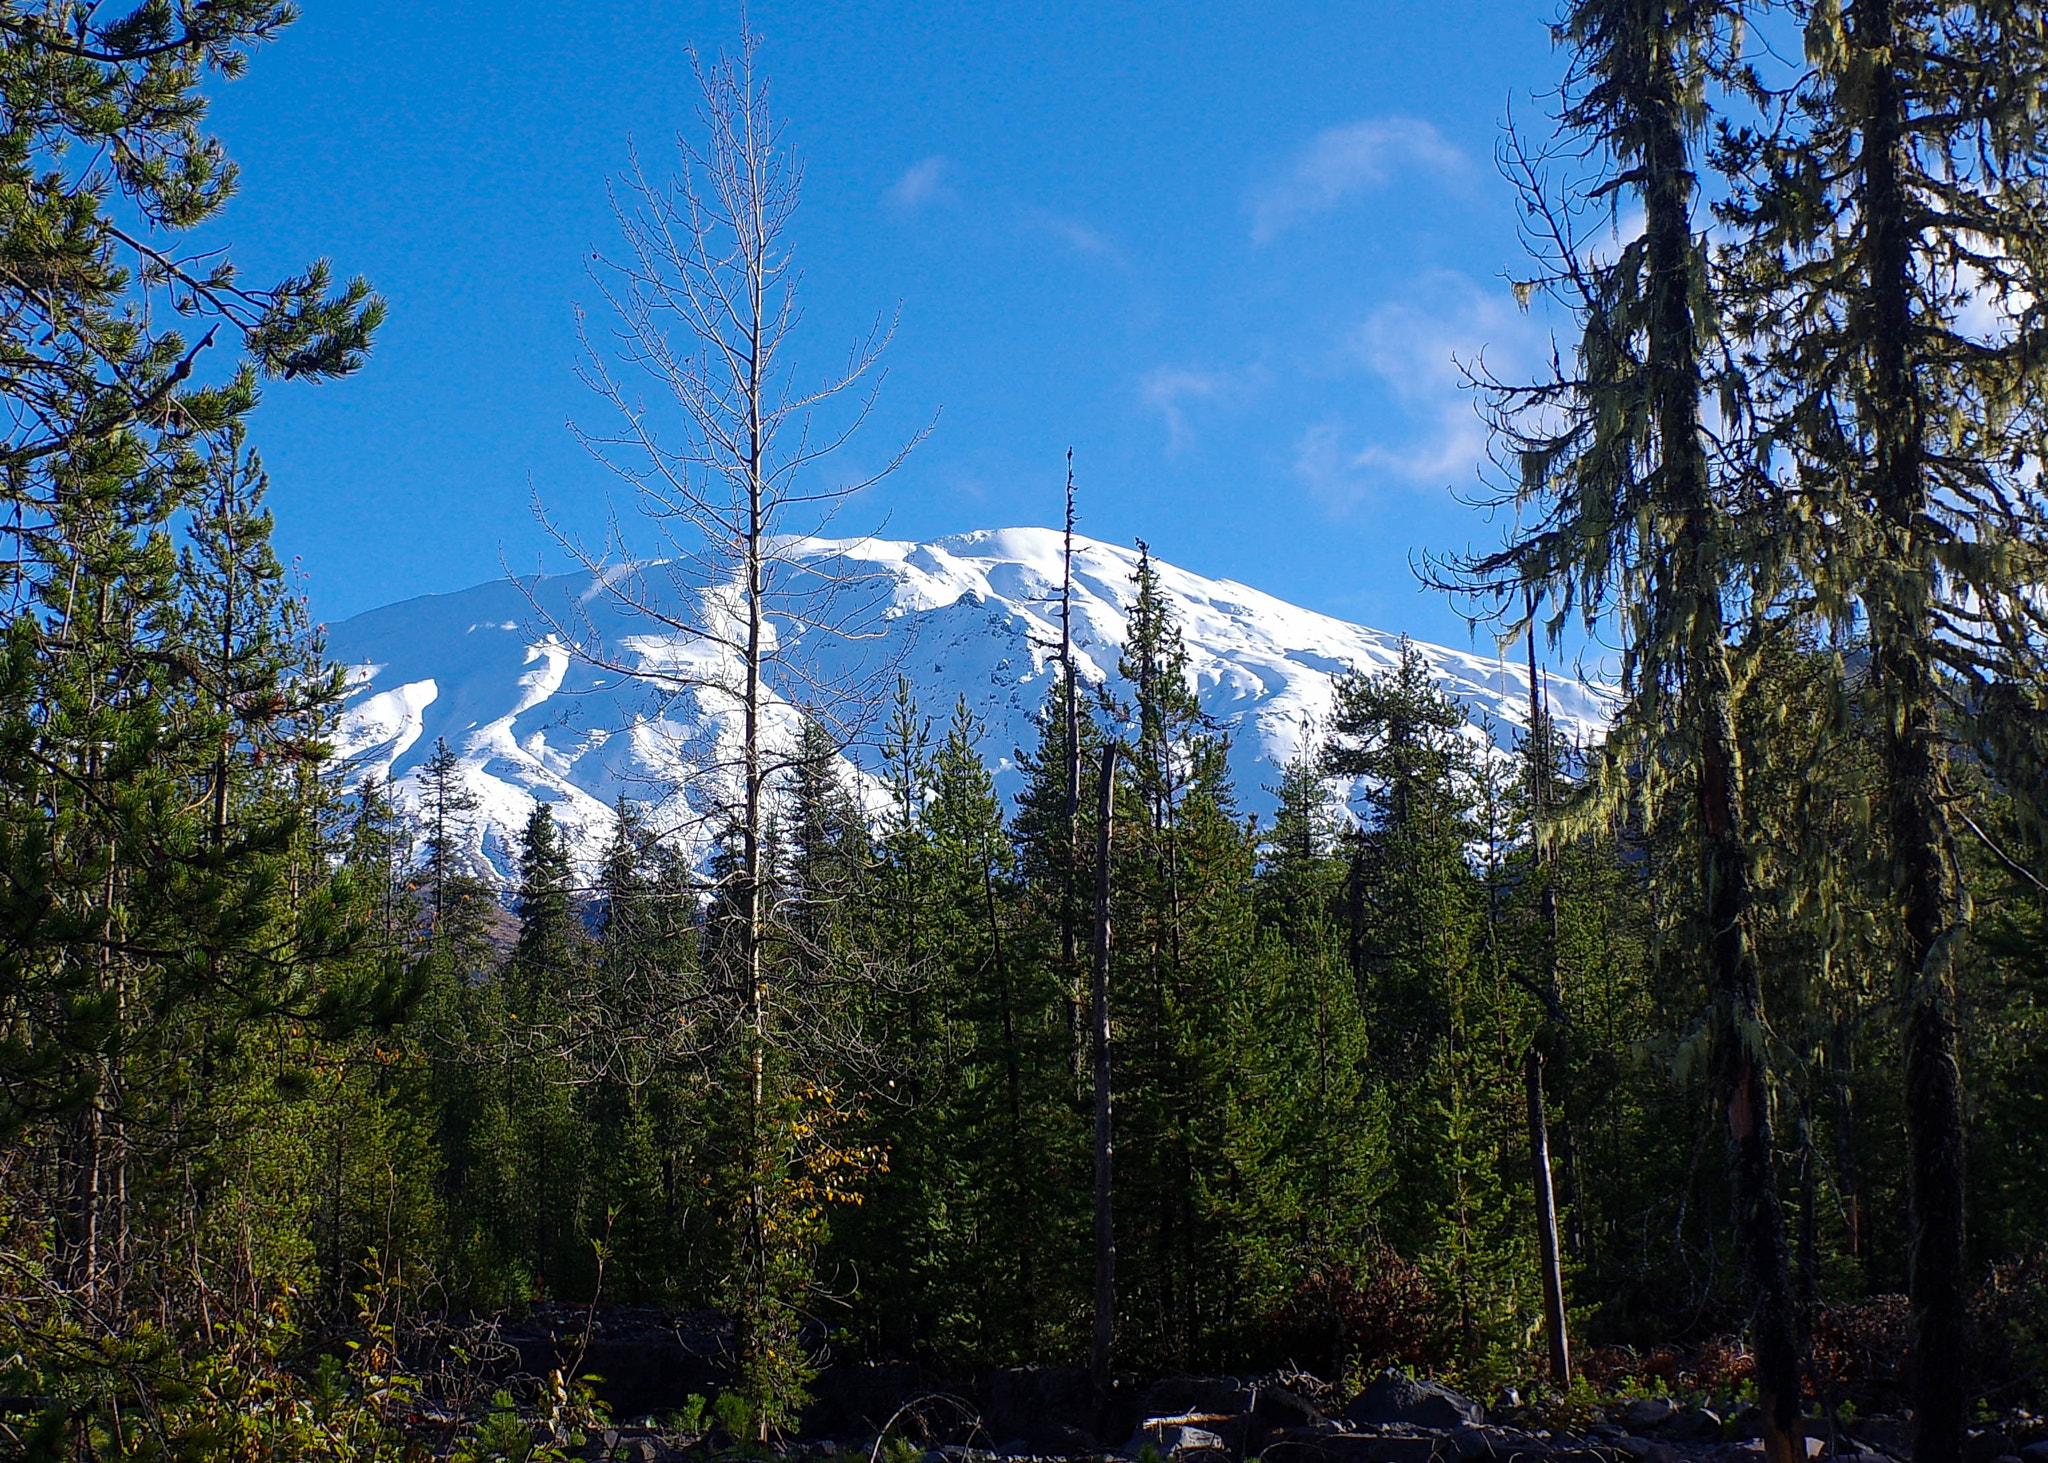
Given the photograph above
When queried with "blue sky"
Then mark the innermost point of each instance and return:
(1227, 252)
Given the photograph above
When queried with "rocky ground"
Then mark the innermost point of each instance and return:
(895, 1413)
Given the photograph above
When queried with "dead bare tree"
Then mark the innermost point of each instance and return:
(744, 610)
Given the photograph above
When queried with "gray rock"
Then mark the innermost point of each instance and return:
(1985, 1446)
(1485, 1444)
(1394, 1448)
(1491, 1444)
(1696, 1424)
(1647, 1412)
(1396, 1398)
(2035, 1452)
(1281, 1407)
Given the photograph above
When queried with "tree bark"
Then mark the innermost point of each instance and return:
(1840, 1054)
(1695, 587)
(1540, 769)
(1069, 915)
(1105, 1229)
(1546, 1228)
(1897, 599)
(759, 1158)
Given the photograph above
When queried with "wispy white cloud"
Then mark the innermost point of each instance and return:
(1170, 390)
(1344, 161)
(1082, 238)
(1418, 349)
(936, 182)
(927, 181)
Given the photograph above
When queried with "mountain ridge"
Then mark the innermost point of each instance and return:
(973, 615)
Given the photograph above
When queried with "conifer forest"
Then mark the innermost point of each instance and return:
(1679, 1095)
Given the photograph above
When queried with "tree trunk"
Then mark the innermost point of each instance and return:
(1546, 1228)
(1846, 1183)
(1809, 1190)
(758, 1157)
(1695, 588)
(1897, 599)
(1540, 769)
(1069, 915)
(1105, 1230)
(80, 1162)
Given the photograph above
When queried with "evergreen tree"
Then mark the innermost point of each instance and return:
(1415, 915)
(463, 1027)
(544, 982)
(1409, 895)
(644, 1098)
(170, 900)
(104, 132)
(824, 858)
(1879, 234)
(458, 900)
(1637, 515)
(1053, 848)
(1309, 1126)
(1181, 879)
(107, 703)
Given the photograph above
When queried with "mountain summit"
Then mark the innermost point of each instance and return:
(974, 616)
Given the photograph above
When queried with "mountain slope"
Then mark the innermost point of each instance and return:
(970, 616)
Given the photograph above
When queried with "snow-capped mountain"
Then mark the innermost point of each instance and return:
(973, 616)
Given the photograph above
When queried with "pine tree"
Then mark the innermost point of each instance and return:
(824, 859)
(103, 131)
(1309, 1127)
(1901, 209)
(1053, 846)
(1184, 923)
(457, 899)
(1300, 877)
(644, 1097)
(1636, 515)
(172, 902)
(463, 1021)
(1409, 897)
(1415, 915)
(544, 982)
